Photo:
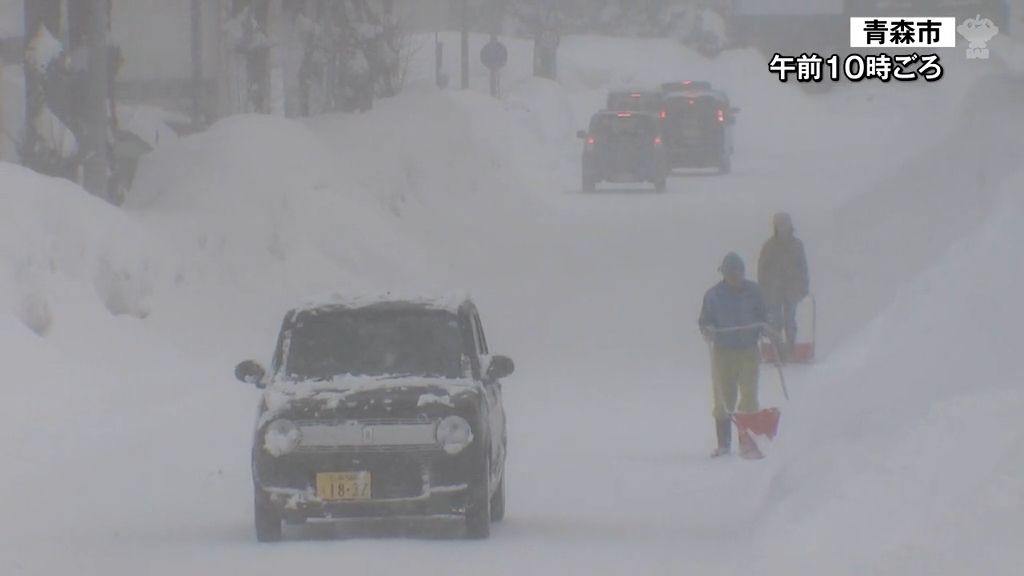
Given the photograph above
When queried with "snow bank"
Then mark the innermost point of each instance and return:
(888, 234)
(905, 456)
(53, 233)
(257, 197)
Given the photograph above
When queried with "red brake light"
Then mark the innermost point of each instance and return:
(635, 95)
(692, 101)
(657, 140)
(625, 114)
(687, 82)
(721, 115)
(663, 114)
(590, 141)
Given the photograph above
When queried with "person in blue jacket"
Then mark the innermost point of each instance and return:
(732, 320)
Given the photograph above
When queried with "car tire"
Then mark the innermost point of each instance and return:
(589, 185)
(725, 166)
(498, 502)
(267, 521)
(478, 508)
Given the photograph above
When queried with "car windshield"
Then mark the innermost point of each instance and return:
(622, 127)
(374, 342)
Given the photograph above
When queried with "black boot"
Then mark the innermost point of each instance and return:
(723, 428)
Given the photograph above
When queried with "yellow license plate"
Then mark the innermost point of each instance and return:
(343, 486)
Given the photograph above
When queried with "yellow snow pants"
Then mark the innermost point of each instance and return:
(734, 373)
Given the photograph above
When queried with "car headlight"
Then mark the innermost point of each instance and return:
(454, 433)
(281, 437)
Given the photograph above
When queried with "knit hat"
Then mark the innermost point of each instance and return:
(782, 221)
(732, 264)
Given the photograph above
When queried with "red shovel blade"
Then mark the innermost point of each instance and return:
(803, 353)
(750, 424)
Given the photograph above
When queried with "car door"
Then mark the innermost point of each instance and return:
(495, 406)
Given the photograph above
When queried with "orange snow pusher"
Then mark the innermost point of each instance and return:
(755, 427)
(802, 351)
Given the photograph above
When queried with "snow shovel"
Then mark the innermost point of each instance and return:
(753, 425)
(763, 423)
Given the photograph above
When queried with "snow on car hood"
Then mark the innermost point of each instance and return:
(281, 395)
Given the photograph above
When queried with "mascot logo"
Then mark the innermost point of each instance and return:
(978, 31)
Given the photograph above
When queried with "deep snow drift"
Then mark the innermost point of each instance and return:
(126, 440)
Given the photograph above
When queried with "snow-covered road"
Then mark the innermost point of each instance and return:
(126, 441)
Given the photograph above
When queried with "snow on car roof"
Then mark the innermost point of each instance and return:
(626, 113)
(716, 94)
(633, 91)
(451, 301)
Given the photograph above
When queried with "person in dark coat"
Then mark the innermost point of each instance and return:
(782, 274)
(732, 320)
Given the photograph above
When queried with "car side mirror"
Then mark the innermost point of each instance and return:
(734, 110)
(251, 372)
(500, 367)
(582, 134)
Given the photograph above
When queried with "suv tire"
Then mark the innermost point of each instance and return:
(589, 184)
(725, 164)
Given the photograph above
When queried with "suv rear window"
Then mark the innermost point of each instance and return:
(693, 110)
(623, 127)
(643, 101)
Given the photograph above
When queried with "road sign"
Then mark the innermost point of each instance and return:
(494, 55)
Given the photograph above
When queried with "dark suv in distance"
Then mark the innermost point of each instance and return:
(698, 129)
(623, 147)
(378, 408)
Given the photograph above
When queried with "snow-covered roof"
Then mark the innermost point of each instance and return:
(450, 301)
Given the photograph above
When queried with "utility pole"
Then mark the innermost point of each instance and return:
(465, 44)
(33, 87)
(197, 64)
(38, 14)
(96, 153)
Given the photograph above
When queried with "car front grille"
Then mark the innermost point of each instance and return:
(391, 435)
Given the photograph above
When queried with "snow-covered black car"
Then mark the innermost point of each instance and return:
(379, 407)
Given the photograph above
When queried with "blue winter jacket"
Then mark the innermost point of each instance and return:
(726, 307)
